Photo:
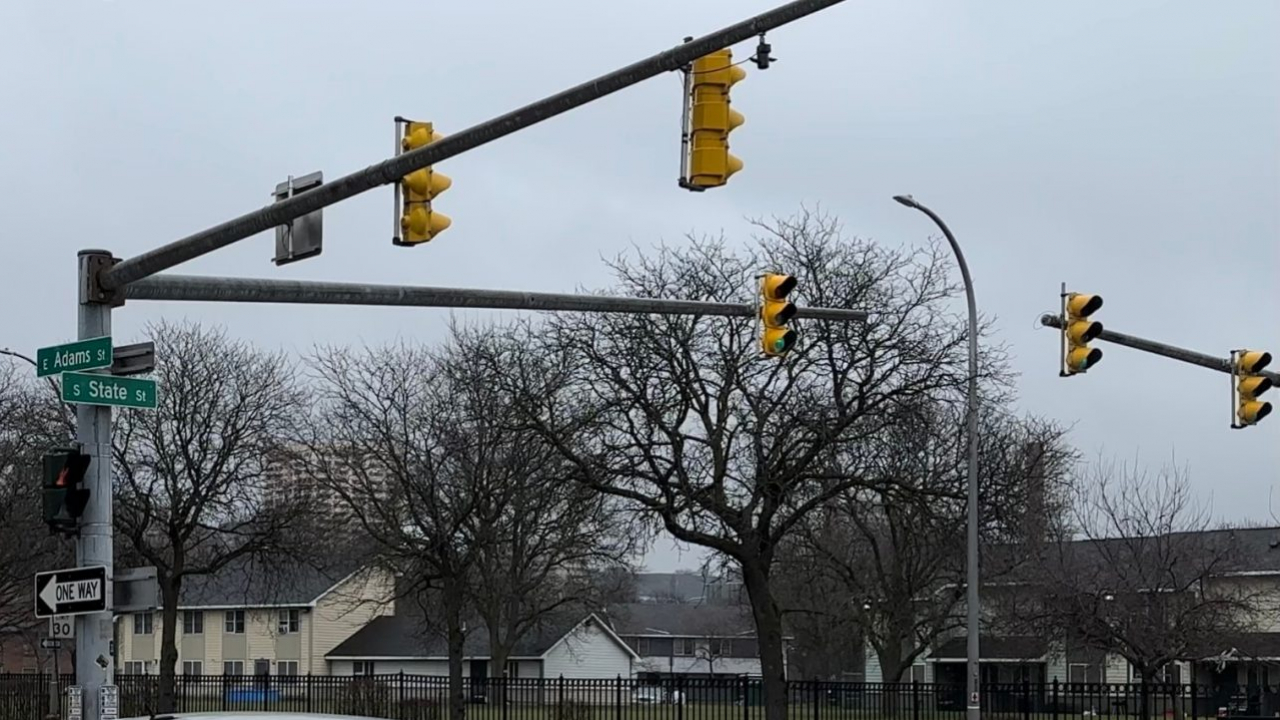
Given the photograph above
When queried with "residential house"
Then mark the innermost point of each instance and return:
(1246, 662)
(583, 648)
(686, 640)
(249, 620)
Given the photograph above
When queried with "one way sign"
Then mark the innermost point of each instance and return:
(74, 591)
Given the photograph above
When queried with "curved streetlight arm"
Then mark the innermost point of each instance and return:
(973, 707)
(53, 385)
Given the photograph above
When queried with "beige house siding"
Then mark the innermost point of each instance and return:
(336, 615)
(345, 609)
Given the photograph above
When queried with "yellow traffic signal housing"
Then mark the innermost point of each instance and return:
(1078, 331)
(1247, 384)
(418, 222)
(775, 312)
(712, 119)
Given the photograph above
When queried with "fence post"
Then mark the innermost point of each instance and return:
(617, 699)
(746, 698)
(679, 697)
(506, 682)
(816, 689)
(1054, 699)
(560, 702)
(915, 698)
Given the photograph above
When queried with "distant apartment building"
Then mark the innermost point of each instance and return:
(323, 487)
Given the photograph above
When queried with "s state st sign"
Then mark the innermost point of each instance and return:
(73, 591)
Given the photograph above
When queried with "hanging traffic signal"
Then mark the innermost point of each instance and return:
(710, 119)
(1078, 331)
(418, 222)
(775, 312)
(1247, 384)
(65, 496)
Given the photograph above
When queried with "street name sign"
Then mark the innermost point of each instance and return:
(73, 591)
(83, 355)
(94, 389)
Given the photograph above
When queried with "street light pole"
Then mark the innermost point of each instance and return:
(973, 708)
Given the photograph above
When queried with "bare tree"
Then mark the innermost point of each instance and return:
(1145, 576)
(728, 450)
(896, 554)
(417, 453)
(545, 547)
(191, 479)
(31, 423)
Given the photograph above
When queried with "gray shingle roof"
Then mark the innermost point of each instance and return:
(676, 619)
(404, 636)
(251, 584)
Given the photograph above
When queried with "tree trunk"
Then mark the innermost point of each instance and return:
(768, 617)
(498, 654)
(455, 637)
(169, 590)
(891, 669)
(1148, 677)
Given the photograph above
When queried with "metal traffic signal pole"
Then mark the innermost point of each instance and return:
(1164, 350)
(196, 288)
(393, 169)
(95, 665)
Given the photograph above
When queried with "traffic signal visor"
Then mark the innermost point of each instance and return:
(775, 312)
(418, 222)
(1080, 331)
(710, 162)
(1249, 385)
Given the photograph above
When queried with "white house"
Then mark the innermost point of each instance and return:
(586, 649)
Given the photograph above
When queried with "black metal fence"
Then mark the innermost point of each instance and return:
(419, 697)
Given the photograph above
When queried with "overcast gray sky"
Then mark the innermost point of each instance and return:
(1130, 148)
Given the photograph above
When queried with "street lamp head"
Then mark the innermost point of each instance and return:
(905, 200)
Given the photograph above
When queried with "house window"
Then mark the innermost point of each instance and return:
(192, 622)
(234, 622)
(289, 621)
(362, 667)
(644, 646)
(233, 667)
(721, 647)
(915, 674)
(684, 646)
(142, 624)
(513, 668)
(135, 667)
(287, 668)
(192, 667)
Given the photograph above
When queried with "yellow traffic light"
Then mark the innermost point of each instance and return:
(775, 312)
(712, 119)
(418, 222)
(1078, 331)
(1248, 384)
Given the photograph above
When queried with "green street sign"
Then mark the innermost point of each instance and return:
(83, 355)
(95, 389)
